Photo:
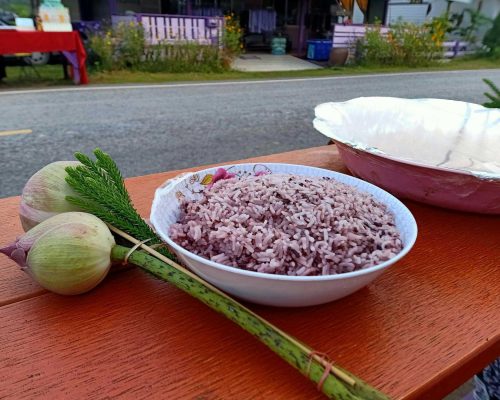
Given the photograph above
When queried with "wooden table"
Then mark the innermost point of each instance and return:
(420, 330)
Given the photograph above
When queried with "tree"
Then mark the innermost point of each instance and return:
(492, 38)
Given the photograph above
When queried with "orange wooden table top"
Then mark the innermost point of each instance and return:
(420, 330)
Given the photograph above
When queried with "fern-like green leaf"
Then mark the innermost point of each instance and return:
(495, 97)
(492, 86)
(108, 164)
(102, 192)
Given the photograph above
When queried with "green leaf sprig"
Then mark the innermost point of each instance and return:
(103, 193)
(495, 97)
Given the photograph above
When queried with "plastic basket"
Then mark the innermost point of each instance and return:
(319, 50)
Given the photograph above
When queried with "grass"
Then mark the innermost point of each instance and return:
(18, 77)
(51, 75)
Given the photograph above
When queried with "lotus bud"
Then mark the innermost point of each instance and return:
(44, 195)
(68, 254)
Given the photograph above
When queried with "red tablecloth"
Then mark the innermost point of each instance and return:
(12, 42)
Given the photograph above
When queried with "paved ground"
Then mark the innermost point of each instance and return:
(155, 128)
(254, 62)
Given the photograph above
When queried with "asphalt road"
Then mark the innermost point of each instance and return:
(155, 128)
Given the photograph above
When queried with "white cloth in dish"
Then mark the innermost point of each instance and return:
(435, 132)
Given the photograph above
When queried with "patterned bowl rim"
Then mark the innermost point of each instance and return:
(406, 248)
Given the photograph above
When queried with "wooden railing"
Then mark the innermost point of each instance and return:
(456, 48)
(163, 28)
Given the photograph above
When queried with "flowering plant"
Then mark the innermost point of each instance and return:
(405, 44)
(119, 47)
(232, 36)
(438, 28)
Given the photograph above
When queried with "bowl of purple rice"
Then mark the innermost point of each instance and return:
(281, 234)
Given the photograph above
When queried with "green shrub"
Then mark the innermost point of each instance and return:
(130, 45)
(182, 57)
(21, 10)
(374, 48)
(231, 39)
(119, 47)
(439, 27)
(406, 44)
(100, 51)
(475, 21)
(492, 38)
(123, 47)
(415, 45)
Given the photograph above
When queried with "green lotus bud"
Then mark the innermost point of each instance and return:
(26, 241)
(67, 254)
(44, 195)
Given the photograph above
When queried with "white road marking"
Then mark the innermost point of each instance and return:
(16, 132)
(229, 83)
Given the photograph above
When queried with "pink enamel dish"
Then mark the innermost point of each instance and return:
(441, 152)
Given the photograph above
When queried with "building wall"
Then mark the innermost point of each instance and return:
(150, 6)
(74, 9)
(489, 8)
(127, 6)
(357, 15)
(100, 10)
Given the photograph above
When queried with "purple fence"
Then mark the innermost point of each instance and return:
(163, 28)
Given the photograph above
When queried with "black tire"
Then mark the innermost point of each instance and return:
(37, 58)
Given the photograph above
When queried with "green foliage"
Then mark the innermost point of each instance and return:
(119, 47)
(406, 44)
(100, 52)
(492, 38)
(21, 8)
(375, 48)
(129, 44)
(123, 47)
(469, 32)
(102, 193)
(439, 27)
(495, 97)
(415, 45)
(231, 38)
(182, 57)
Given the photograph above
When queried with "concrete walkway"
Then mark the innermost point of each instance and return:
(258, 62)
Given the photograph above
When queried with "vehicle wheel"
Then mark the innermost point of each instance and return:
(37, 59)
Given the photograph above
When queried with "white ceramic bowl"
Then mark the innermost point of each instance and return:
(262, 288)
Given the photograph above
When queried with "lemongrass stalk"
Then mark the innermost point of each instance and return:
(290, 349)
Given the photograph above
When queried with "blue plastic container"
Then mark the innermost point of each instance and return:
(278, 46)
(319, 50)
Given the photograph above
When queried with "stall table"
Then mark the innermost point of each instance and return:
(417, 332)
(69, 43)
